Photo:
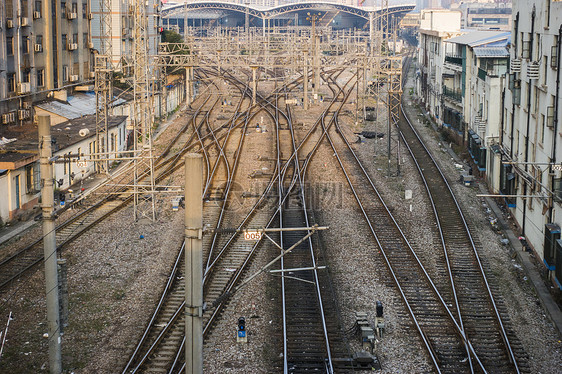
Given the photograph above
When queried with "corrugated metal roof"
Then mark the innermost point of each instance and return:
(477, 37)
(490, 52)
(78, 105)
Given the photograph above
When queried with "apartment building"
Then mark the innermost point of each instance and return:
(473, 92)
(437, 26)
(44, 46)
(122, 28)
(484, 15)
(530, 136)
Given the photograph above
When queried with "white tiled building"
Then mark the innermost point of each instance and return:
(531, 133)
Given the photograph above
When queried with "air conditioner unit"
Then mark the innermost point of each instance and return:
(533, 70)
(9, 23)
(36, 15)
(90, 16)
(92, 74)
(515, 65)
(74, 78)
(26, 105)
(8, 118)
(551, 235)
(70, 15)
(24, 21)
(72, 46)
(23, 87)
(91, 45)
(23, 114)
(38, 48)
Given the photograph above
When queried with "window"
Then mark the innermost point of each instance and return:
(112, 142)
(39, 42)
(25, 43)
(11, 82)
(32, 178)
(74, 8)
(526, 51)
(65, 73)
(84, 10)
(25, 76)
(64, 41)
(554, 53)
(541, 129)
(38, 6)
(75, 38)
(63, 8)
(85, 39)
(547, 14)
(10, 45)
(40, 77)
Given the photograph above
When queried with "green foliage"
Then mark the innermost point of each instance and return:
(169, 36)
(119, 81)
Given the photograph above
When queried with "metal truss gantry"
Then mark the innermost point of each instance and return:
(142, 118)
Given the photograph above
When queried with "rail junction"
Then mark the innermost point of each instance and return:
(264, 114)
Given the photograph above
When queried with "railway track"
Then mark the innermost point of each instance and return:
(454, 314)
(164, 351)
(24, 259)
(485, 319)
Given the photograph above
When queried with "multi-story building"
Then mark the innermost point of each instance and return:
(530, 136)
(122, 28)
(478, 65)
(44, 46)
(485, 15)
(436, 26)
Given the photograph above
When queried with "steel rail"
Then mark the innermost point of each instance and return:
(165, 293)
(473, 247)
(436, 292)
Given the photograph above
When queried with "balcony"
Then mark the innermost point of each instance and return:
(482, 74)
(453, 59)
(454, 95)
(453, 64)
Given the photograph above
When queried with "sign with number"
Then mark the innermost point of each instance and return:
(252, 235)
(81, 164)
(557, 167)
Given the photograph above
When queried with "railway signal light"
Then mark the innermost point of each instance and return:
(241, 335)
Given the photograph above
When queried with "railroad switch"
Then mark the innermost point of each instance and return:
(365, 332)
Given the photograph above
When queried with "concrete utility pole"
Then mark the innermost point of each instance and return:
(188, 80)
(193, 263)
(49, 244)
(305, 81)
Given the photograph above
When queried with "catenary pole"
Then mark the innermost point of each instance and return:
(193, 263)
(49, 244)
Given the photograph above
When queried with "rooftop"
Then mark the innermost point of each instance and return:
(475, 38)
(77, 105)
(25, 148)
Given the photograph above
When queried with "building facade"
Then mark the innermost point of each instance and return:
(436, 26)
(530, 136)
(44, 46)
